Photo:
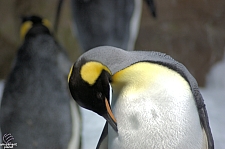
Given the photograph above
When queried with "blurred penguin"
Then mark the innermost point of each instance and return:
(108, 22)
(36, 107)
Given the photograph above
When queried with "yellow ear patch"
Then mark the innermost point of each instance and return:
(25, 28)
(91, 71)
(46, 23)
(69, 75)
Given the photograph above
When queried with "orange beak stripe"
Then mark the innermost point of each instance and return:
(109, 110)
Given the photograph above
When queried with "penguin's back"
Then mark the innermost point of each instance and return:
(36, 104)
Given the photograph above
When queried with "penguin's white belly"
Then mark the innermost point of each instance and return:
(160, 115)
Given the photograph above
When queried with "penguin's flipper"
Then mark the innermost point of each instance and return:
(152, 7)
(103, 141)
(205, 123)
(202, 112)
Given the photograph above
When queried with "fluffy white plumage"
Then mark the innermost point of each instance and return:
(154, 109)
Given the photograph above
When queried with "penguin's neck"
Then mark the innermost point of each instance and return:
(139, 82)
(137, 77)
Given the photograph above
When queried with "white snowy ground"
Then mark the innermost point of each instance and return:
(214, 96)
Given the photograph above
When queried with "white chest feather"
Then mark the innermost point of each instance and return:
(154, 108)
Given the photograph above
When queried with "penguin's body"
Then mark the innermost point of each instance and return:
(105, 22)
(156, 102)
(151, 110)
(36, 106)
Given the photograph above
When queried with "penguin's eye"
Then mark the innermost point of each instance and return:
(99, 95)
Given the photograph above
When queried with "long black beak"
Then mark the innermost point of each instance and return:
(109, 116)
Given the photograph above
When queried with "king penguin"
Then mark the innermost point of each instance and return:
(37, 108)
(155, 101)
(108, 22)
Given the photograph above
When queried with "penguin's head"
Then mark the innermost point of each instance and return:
(89, 84)
(34, 25)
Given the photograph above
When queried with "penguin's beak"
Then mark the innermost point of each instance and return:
(109, 116)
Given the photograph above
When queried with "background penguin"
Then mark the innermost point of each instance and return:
(108, 22)
(156, 102)
(36, 106)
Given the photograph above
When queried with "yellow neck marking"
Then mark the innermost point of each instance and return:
(26, 26)
(140, 75)
(91, 71)
(47, 23)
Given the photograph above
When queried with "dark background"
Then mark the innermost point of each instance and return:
(192, 32)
